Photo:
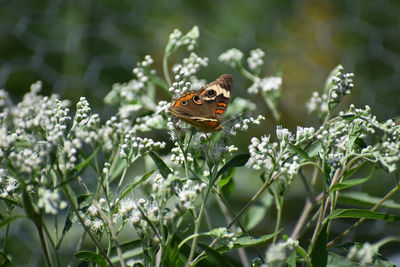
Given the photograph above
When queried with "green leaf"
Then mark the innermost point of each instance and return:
(246, 241)
(129, 250)
(303, 254)
(360, 198)
(213, 257)
(86, 161)
(238, 161)
(355, 144)
(314, 149)
(226, 178)
(162, 167)
(352, 182)
(7, 220)
(117, 169)
(360, 213)
(31, 210)
(129, 187)
(353, 170)
(229, 188)
(319, 254)
(300, 151)
(335, 260)
(256, 213)
(291, 260)
(91, 257)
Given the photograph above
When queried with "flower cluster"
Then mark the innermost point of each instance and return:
(188, 193)
(86, 125)
(190, 65)
(265, 85)
(242, 125)
(149, 122)
(177, 157)
(317, 103)
(304, 134)
(133, 96)
(343, 139)
(175, 127)
(337, 85)
(179, 86)
(363, 254)
(233, 57)
(255, 60)
(340, 85)
(177, 40)
(274, 157)
(223, 233)
(50, 201)
(92, 218)
(262, 153)
(277, 254)
(142, 69)
(9, 186)
(134, 146)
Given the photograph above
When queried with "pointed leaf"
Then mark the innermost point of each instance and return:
(319, 254)
(360, 213)
(91, 257)
(256, 213)
(300, 151)
(214, 257)
(162, 167)
(352, 182)
(226, 178)
(87, 160)
(314, 148)
(7, 220)
(129, 250)
(116, 170)
(360, 198)
(129, 187)
(246, 241)
(238, 161)
(335, 260)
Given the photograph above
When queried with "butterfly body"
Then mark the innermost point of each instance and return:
(204, 108)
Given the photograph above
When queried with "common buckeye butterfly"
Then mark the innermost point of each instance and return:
(204, 108)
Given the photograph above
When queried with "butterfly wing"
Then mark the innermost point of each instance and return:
(204, 108)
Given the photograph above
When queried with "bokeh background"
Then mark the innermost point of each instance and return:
(80, 48)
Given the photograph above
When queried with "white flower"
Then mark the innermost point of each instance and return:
(364, 255)
(49, 200)
(256, 58)
(233, 57)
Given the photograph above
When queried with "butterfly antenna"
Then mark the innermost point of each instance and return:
(234, 117)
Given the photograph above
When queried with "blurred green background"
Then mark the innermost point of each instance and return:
(83, 47)
(80, 48)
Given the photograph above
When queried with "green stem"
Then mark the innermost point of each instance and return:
(188, 238)
(108, 221)
(272, 107)
(44, 244)
(197, 227)
(165, 69)
(266, 184)
(75, 209)
(53, 245)
(279, 205)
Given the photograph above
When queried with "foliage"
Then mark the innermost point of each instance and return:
(48, 158)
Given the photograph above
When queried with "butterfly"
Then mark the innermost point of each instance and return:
(204, 108)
